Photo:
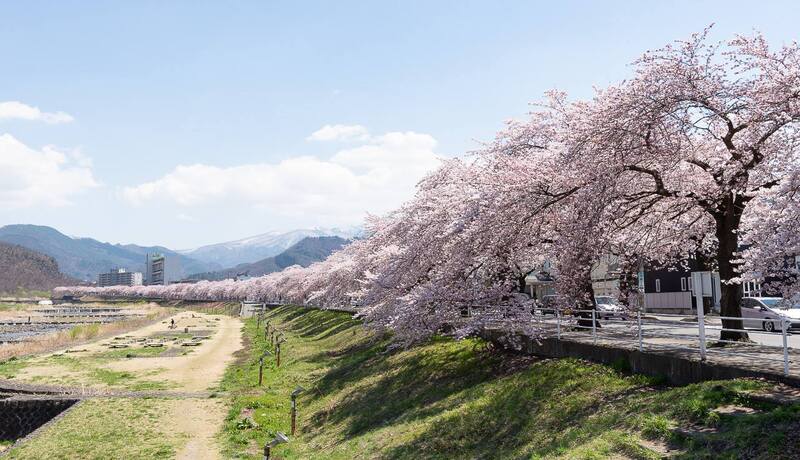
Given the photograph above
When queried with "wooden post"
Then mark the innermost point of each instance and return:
(260, 370)
(294, 413)
(294, 395)
(278, 354)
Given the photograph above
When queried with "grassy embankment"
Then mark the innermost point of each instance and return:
(14, 306)
(450, 399)
(22, 293)
(104, 429)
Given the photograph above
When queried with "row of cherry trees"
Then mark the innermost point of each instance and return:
(696, 154)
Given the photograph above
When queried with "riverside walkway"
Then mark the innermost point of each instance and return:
(667, 346)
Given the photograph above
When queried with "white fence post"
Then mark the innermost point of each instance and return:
(639, 321)
(785, 348)
(558, 324)
(594, 328)
(701, 326)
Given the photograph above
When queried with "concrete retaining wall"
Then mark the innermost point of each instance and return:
(677, 370)
(19, 417)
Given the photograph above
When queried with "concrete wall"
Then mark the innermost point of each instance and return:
(675, 369)
(20, 417)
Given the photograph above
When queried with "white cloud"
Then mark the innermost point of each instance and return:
(13, 110)
(340, 133)
(374, 177)
(49, 177)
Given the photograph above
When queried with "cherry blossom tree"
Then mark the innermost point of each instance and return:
(695, 150)
(701, 131)
(772, 239)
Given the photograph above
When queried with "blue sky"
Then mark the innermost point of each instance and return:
(192, 122)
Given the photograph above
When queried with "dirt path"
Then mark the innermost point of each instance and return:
(200, 420)
(202, 369)
(193, 421)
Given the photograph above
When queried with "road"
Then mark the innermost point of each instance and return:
(684, 329)
(680, 335)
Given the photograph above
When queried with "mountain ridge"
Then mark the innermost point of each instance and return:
(258, 247)
(84, 258)
(25, 269)
(304, 253)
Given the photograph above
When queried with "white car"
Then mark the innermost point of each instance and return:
(608, 307)
(758, 311)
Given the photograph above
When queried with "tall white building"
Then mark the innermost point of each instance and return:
(160, 269)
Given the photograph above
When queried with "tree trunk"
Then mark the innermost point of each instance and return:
(727, 228)
(585, 318)
(628, 284)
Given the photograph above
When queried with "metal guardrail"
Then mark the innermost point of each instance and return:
(579, 319)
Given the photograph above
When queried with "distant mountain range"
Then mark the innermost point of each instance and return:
(256, 248)
(85, 258)
(305, 252)
(26, 270)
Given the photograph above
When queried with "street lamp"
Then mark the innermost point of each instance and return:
(295, 393)
(261, 366)
(280, 438)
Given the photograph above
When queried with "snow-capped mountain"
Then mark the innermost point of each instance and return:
(255, 248)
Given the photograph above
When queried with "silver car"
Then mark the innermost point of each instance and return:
(758, 311)
(608, 307)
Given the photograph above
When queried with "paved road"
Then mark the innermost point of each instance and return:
(670, 334)
(669, 325)
(684, 329)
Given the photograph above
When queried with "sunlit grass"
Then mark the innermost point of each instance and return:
(84, 332)
(104, 429)
(453, 399)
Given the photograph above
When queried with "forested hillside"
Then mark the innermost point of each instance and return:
(84, 258)
(22, 269)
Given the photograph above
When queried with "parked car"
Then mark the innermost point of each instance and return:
(756, 312)
(546, 305)
(609, 307)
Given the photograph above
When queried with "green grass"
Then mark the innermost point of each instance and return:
(121, 353)
(8, 306)
(454, 399)
(10, 367)
(178, 335)
(211, 308)
(90, 370)
(84, 331)
(104, 429)
(22, 292)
